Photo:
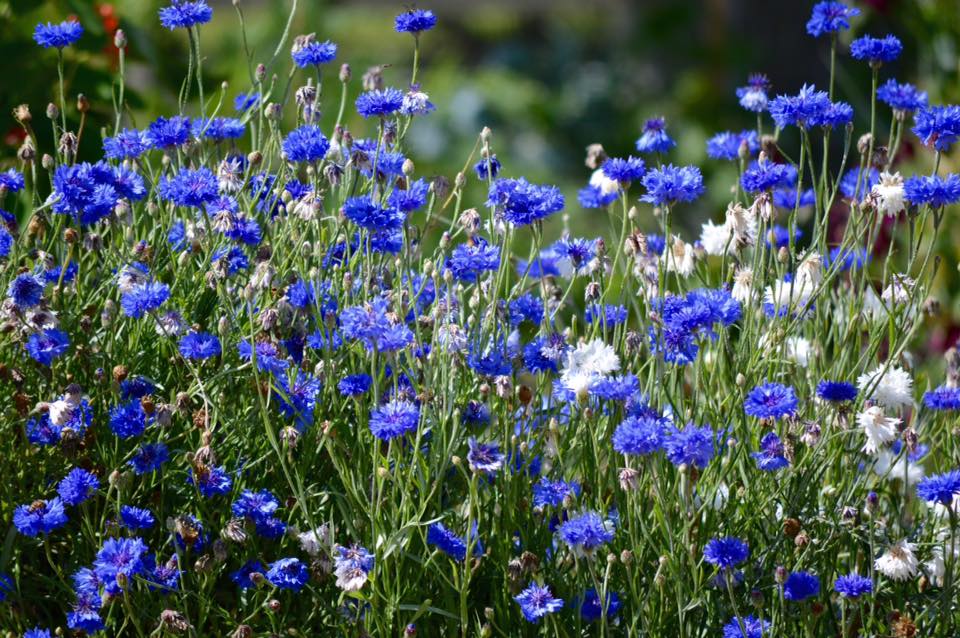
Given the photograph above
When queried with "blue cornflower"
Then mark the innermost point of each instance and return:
(85, 614)
(183, 14)
(256, 506)
(231, 257)
(298, 399)
(940, 488)
(127, 144)
(37, 632)
(592, 607)
(938, 126)
(726, 553)
(771, 457)
(547, 492)
(836, 391)
(61, 35)
(190, 187)
(379, 103)
(308, 52)
(639, 436)
(366, 213)
(354, 385)
(45, 346)
(469, 260)
(6, 242)
(40, 517)
(754, 628)
(536, 601)
(351, 566)
(654, 138)
(128, 419)
(167, 132)
(415, 21)
(835, 115)
(267, 354)
(243, 102)
(576, 253)
(942, 398)
(211, 481)
(847, 258)
(799, 110)
(876, 51)
(305, 144)
(243, 576)
(764, 176)
(449, 543)
(416, 102)
(487, 168)
(199, 345)
(933, 190)
(902, 98)
(394, 419)
(692, 445)
(669, 184)
(753, 97)
(126, 557)
(218, 129)
(528, 308)
(26, 291)
(771, 401)
(77, 486)
(726, 145)
(11, 181)
(616, 388)
(830, 17)
(484, 458)
(136, 518)
(719, 303)
(523, 203)
(624, 170)
(148, 458)
(288, 573)
(609, 314)
(586, 532)
(410, 198)
(854, 178)
(6, 586)
(853, 586)
(144, 298)
(800, 586)
(592, 196)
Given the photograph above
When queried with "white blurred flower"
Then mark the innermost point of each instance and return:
(878, 428)
(679, 258)
(716, 240)
(898, 562)
(891, 388)
(742, 289)
(889, 194)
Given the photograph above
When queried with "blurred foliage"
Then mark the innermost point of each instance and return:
(549, 77)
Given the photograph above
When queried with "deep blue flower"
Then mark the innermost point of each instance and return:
(183, 14)
(654, 138)
(800, 586)
(586, 532)
(135, 518)
(126, 557)
(938, 126)
(771, 457)
(855, 185)
(624, 170)
(753, 97)
(256, 506)
(242, 577)
(610, 314)
(45, 346)
(298, 398)
(800, 110)
(449, 543)
(415, 21)
(410, 198)
(58, 36)
(933, 190)
(639, 436)
(830, 17)
(547, 492)
(232, 258)
(354, 385)
(876, 50)
(764, 176)
(591, 196)
(940, 488)
(77, 486)
(771, 401)
(669, 184)
(527, 308)
(11, 181)
(128, 419)
(26, 291)
(394, 419)
(127, 144)
(267, 355)
(190, 187)
(85, 613)
(592, 607)
(836, 114)
(199, 345)
(692, 445)
(144, 298)
(536, 601)
(218, 129)
(484, 458)
(148, 458)
(40, 517)
(752, 626)
(853, 586)
(487, 168)
(469, 260)
(379, 103)
(847, 258)
(836, 391)
(288, 573)
(211, 481)
(942, 398)
(167, 132)
(305, 144)
(522, 203)
(6, 242)
(308, 52)
(366, 213)
(726, 553)
(36, 632)
(243, 102)
(616, 388)
(726, 145)
(904, 98)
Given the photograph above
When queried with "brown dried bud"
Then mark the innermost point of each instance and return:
(22, 114)
(83, 104)
(791, 527)
(120, 373)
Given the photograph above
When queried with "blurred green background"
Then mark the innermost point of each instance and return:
(548, 76)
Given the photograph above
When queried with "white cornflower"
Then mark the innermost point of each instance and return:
(798, 350)
(604, 183)
(61, 411)
(678, 258)
(897, 467)
(889, 194)
(742, 223)
(586, 362)
(716, 240)
(899, 290)
(810, 271)
(314, 541)
(879, 429)
(891, 388)
(935, 568)
(742, 289)
(898, 562)
(789, 295)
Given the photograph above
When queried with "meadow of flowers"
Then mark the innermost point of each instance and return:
(265, 380)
